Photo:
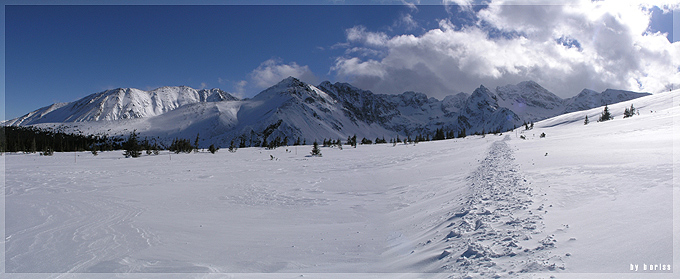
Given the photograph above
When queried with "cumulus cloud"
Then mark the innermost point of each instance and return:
(273, 71)
(565, 48)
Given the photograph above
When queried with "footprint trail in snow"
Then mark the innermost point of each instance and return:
(497, 231)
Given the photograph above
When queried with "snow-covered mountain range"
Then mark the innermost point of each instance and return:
(293, 109)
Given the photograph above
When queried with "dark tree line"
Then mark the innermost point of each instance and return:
(181, 145)
(439, 134)
(32, 139)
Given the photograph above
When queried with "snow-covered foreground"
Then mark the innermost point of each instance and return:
(583, 201)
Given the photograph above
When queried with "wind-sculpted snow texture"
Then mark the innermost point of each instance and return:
(496, 229)
(74, 228)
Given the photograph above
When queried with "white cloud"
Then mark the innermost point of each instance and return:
(358, 34)
(407, 21)
(458, 2)
(565, 48)
(411, 5)
(240, 88)
(355, 67)
(273, 71)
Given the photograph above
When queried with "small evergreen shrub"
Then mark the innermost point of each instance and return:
(315, 150)
(213, 149)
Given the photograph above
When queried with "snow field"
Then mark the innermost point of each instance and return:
(230, 212)
(607, 187)
(585, 201)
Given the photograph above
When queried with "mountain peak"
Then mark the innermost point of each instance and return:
(290, 82)
(587, 92)
(123, 103)
(590, 98)
(482, 90)
(529, 83)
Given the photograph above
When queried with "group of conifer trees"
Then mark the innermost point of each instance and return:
(31, 139)
(45, 141)
(133, 147)
(606, 115)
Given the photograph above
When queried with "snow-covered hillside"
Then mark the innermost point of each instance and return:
(293, 109)
(584, 201)
(122, 103)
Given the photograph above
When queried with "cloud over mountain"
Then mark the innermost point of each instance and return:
(564, 47)
(273, 70)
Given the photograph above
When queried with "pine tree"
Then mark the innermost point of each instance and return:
(131, 146)
(34, 148)
(213, 149)
(439, 134)
(586, 121)
(629, 112)
(605, 115)
(315, 150)
(232, 147)
(196, 143)
(632, 110)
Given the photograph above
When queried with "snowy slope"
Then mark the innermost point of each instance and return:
(303, 111)
(531, 101)
(588, 99)
(586, 201)
(122, 103)
(608, 186)
(293, 109)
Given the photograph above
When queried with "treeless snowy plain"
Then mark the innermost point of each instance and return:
(585, 201)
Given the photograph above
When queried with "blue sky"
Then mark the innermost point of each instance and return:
(63, 53)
